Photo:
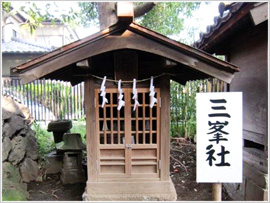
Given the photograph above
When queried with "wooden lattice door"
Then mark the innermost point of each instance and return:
(128, 141)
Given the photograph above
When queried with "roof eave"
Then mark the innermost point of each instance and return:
(208, 64)
(209, 40)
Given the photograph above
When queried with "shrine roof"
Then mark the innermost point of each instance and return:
(61, 63)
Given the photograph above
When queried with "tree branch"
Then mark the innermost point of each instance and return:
(144, 8)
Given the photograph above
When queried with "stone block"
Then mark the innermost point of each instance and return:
(7, 146)
(31, 147)
(29, 170)
(72, 171)
(18, 150)
(14, 125)
(130, 191)
(6, 115)
(71, 141)
(72, 176)
(54, 163)
(7, 130)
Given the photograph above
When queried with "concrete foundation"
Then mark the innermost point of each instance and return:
(130, 191)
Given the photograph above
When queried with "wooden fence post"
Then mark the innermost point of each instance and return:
(216, 191)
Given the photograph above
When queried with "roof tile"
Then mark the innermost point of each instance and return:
(17, 45)
(226, 13)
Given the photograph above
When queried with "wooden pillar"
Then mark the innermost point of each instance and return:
(91, 134)
(165, 128)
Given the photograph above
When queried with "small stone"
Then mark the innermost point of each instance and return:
(195, 190)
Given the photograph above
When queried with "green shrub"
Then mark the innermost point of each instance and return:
(183, 105)
(79, 126)
(177, 130)
(44, 139)
(191, 127)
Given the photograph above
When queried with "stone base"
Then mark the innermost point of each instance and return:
(72, 176)
(54, 163)
(130, 191)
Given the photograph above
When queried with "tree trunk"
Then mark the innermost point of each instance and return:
(108, 12)
(143, 9)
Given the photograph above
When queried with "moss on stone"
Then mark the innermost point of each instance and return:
(13, 189)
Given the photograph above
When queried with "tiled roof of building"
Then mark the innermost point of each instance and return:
(17, 45)
(226, 13)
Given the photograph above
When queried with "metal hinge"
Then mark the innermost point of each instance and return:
(159, 164)
(128, 146)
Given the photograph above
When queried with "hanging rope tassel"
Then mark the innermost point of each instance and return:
(121, 102)
(152, 93)
(103, 92)
(135, 95)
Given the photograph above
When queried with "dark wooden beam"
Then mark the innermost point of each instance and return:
(126, 65)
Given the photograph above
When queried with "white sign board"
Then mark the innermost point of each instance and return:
(219, 137)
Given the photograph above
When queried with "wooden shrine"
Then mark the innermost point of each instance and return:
(128, 152)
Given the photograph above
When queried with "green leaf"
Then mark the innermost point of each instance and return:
(24, 26)
(165, 17)
(6, 6)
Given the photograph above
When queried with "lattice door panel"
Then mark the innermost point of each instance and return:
(111, 130)
(128, 140)
(111, 121)
(145, 124)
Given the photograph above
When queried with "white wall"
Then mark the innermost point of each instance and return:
(47, 35)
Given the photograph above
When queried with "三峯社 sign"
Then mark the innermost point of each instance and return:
(219, 137)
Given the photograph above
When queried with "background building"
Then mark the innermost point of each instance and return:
(19, 45)
(241, 34)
